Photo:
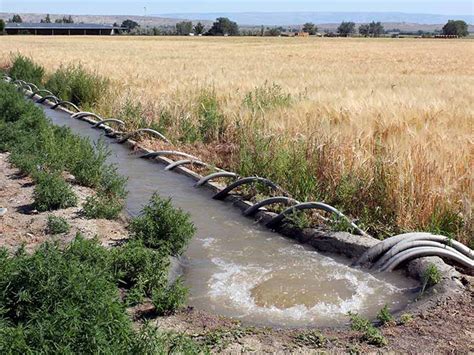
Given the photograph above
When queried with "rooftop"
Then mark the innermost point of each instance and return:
(58, 26)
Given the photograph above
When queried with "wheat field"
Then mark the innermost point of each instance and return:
(403, 104)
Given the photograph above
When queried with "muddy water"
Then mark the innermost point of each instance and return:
(237, 268)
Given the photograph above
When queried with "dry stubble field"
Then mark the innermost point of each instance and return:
(383, 127)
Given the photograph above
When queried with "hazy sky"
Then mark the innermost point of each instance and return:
(137, 7)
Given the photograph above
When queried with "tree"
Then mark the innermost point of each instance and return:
(16, 19)
(346, 28)
(130, 24)
(224, 27)
(373, 29)
(376, 29)
(456, 28)
(364, 30)
(199, 29)
(47, 19)
(310, 28)
(2, 26)
(184, 28)
(273, 32)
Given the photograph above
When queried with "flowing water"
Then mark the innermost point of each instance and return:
(237, 268)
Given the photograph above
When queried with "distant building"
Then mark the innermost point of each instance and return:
(301, 34)
(64, 29)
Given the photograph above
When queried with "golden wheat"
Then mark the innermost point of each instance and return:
(414, 97)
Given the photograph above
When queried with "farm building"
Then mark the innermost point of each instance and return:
(60, 29)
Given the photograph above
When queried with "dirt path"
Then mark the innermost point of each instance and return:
(447, 328)
(23, 225)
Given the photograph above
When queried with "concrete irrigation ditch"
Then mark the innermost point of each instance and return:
(415, 250)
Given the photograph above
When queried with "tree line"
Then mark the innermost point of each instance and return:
(223, 26)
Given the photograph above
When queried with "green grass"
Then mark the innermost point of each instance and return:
(384, 315)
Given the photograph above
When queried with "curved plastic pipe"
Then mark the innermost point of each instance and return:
(269, 201)
(160, 153)
(82, 114)
(31, 85)
(408, 245)
(143, 130)
(108, 120)
(376, 251)
(37, 92)
(64, 103)
(184, 162)
(244, 181)
(275, 221)
(49, 97)
(414, 253)
(215, 176)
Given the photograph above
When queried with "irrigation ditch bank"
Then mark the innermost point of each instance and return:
(351, 246)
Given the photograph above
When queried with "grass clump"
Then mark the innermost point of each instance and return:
(384, 315)
(161, 226)
(370, 334)
(52, 193)
(57, 225)
(266, 97)
(170, 298)
(24, 68)
(74, 83)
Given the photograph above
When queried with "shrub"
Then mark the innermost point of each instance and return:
(161, 226)
(140, 270)
(25, 69)
(170, 298)
(370, 334)
(74, 83)
(52, 192)
(57, 225)
(384, 315)
(61, 301)
(101, 206)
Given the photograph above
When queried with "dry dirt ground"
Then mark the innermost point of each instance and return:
(447, 328)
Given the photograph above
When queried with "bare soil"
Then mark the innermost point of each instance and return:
(447, 328)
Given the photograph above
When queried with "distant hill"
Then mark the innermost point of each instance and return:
(101, 19)
(295, 18)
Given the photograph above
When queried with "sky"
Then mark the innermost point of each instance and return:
(137, 7)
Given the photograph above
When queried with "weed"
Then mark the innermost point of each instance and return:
(25, 69)
(406, 318)
(102, 206)
(297, 219)
(170, 298)
(370, 334)
(74, 83)
(57, 225)
(211, 120)
(384, 315)
(52, 193)
(161, 226)
(431, 276)
(266, 97)
(311, 339)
